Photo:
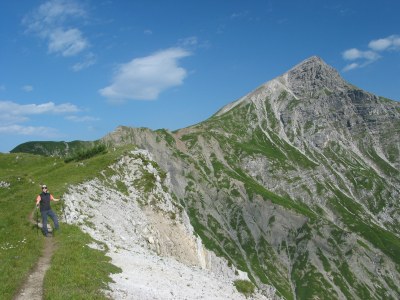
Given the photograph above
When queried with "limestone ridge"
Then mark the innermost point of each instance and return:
(296, 183)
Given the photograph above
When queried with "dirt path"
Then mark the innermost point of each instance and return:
(32, 289)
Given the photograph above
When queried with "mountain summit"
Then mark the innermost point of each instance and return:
(311, 104)
(307, 81)
(297, 184)
(313, 74)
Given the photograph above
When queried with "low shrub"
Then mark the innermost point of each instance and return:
(245, 287)
(87, 153)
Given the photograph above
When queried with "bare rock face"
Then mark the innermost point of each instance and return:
(311, 75)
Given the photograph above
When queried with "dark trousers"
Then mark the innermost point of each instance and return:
(53, 216)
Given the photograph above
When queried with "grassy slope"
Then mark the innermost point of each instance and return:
(77, 272)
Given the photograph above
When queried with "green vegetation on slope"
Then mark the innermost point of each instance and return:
(351, 214)
(86, 153)
(49, 148)
(77, 271)
(21, 245)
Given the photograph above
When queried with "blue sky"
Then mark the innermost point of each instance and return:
(75, 70)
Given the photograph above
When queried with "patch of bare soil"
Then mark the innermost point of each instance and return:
(32, 289)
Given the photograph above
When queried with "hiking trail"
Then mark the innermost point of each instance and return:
(32, 288)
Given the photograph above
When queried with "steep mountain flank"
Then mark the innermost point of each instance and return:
(296, 183)
(129, 210)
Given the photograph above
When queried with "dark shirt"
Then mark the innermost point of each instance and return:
(45, 201)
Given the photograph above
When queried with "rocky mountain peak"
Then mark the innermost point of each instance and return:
(313, 60)
(311, 79)
(312, 75)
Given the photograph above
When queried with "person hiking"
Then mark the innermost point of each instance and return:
(44, 199)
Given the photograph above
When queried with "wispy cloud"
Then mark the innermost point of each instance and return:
(362, 58)
(81, 119)
(51, 21)
(13, 114)
(352, 54)
(12, 108)
(188, 42)
(66, 42)
(144, 78)
(88, 60)
(29, 130)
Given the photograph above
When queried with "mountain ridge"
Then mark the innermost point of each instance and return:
(308, 147)
(296, 183)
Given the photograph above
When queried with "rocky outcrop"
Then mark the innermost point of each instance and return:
(130, 211)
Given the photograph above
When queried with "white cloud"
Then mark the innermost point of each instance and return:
(7, 118)
(12, 108)
(353, 54)
(389, 43)
(29, 130)
(363, 58)
(13, 114)
(54, 11)
(351, 67)
(145, 78)
(367, 57)
(66, 42)
(49, 22)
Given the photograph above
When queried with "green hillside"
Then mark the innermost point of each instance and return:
(50, 148)
(77, 271)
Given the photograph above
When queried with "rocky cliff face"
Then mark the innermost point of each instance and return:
(130, 211)
(296, 183)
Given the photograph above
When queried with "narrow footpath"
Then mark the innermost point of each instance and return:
(32, 289)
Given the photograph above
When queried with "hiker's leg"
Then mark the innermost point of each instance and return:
(53, 216)
(44, 222)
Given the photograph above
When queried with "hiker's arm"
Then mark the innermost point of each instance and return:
(54, 199)
(37, 200)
